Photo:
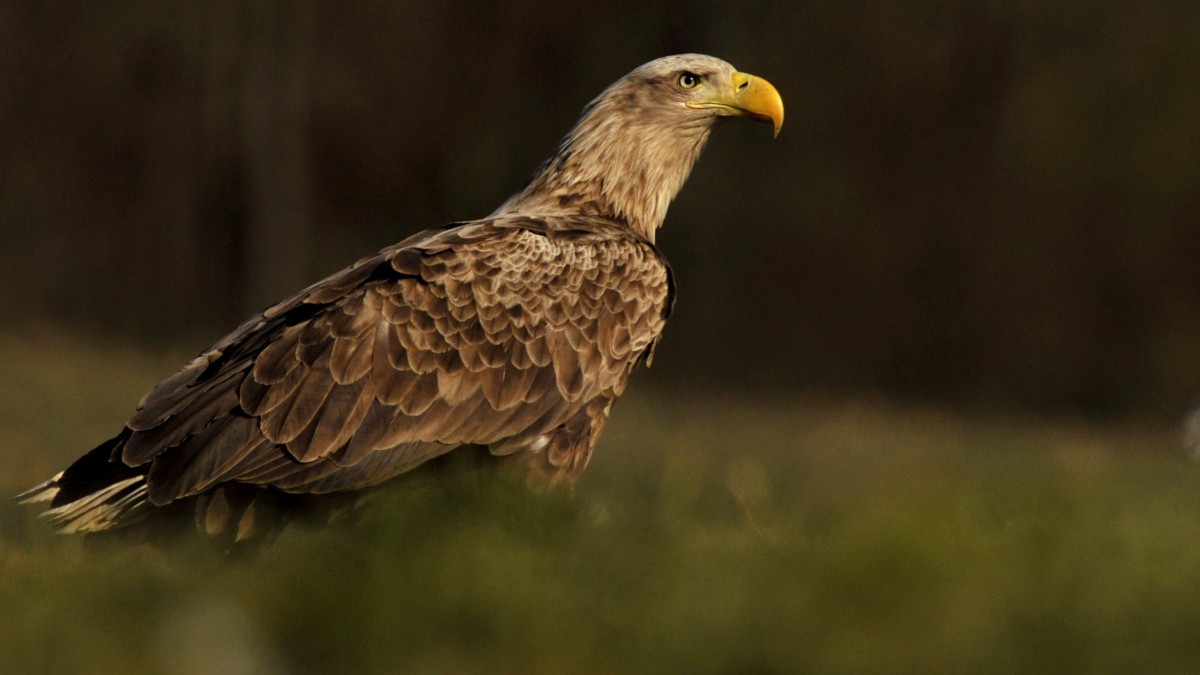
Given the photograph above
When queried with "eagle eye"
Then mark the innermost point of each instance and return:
(688, 80)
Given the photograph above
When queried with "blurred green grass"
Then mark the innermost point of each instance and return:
(708, 535)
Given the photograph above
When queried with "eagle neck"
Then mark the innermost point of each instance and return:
(614, 165)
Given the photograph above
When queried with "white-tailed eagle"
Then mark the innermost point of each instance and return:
(514, 333)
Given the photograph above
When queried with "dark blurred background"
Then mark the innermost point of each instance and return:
(981, 203)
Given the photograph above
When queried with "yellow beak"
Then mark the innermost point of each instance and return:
(751, 97)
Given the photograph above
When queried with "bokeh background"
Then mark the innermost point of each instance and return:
(978, 203)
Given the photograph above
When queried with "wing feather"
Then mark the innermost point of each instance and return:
(351, 357)
(340, 417)
(283, 424)
(206, 404)
(190, 467)
(278, 360)
(259, 398)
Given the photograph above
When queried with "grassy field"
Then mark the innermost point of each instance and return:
(708, 536)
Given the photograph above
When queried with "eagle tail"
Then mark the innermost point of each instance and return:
(116, 505)
(93, 494)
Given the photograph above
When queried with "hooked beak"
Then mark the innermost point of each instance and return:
(749, 96)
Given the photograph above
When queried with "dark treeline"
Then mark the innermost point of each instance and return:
(983, 202)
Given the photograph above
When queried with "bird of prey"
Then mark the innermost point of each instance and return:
(513, 334)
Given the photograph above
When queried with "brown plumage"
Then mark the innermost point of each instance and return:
(515, 333)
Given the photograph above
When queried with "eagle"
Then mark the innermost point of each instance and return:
(510, 336)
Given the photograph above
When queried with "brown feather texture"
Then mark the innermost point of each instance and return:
(514, 333)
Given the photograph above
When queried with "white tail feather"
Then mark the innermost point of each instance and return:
(111, 506)
(43, 492)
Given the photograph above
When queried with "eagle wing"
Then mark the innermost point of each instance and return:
(495, 332)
